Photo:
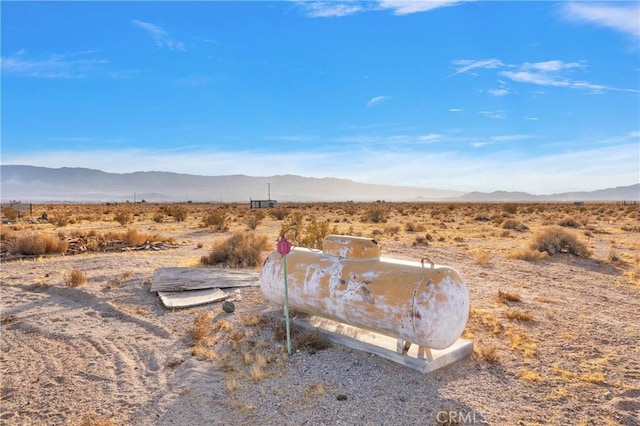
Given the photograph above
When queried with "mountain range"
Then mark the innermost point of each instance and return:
(42, 184)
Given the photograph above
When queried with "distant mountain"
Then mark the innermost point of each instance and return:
(620, 193)
(42, 184)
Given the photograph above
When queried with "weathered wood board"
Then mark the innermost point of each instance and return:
(385, 346)
(185, 299)
(180, 279)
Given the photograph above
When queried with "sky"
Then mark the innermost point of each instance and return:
(542, 97)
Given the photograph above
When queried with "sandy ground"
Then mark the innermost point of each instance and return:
(108, 350)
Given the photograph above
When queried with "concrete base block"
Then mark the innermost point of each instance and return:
(417, 357)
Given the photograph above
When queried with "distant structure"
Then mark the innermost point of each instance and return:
(264, 204)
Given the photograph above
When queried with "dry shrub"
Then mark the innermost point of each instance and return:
(515, 225)
(216, 219)
(279, 213)
(412, 227)
(37, 244)
(202, 328)
(253, 220)
(569, 223)
(555, 239)
(122, 217)
(519, 315)
(528, 254)
(530, 376)
(375, 214)
(483, 256)
(133, 237)
(94, 419)
(487, 353)
(75, 278)
(392, 230)
(504, 297)
(241, 250)
(314, 234)
(10, 213)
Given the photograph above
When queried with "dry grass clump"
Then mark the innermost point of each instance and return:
(505, 297)
(241, 250)
(529, 375)
(483, 256)
(487, 353)
(375, 214)
(514, 225)
(519, 315)
(75, 278)
(122, 217)
(202, 328)
(38, 244)
(94, 419)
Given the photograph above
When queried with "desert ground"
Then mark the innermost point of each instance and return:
(554, 317)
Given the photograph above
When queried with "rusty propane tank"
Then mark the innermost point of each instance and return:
(349, 282)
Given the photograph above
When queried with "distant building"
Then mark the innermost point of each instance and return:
(263, 204)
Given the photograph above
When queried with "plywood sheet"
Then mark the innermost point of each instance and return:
(185, 299)
(179, 279)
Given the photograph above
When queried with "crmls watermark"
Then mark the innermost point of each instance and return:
(460, 418)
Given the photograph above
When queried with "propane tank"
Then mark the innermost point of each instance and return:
(349, 282)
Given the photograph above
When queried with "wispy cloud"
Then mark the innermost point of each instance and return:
(406, 7)
(622, 17)
(509, 138)
(330, 9)
(497, 115)
(377, 101)
(70, 65)
(498, 92)
(430, 137)
(323, 9)
(466, 65)
(290, 138)
(553, 73)
(455, 110)
(160, 36)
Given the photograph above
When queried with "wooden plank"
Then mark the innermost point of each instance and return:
(180, 279)
(385, 346)
(186, 299)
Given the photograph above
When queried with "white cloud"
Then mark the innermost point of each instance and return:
(330, 9)
(323, 9)
(290, 138)
(455, 110)
(622, 17)
(479, 144)
(531, 118)
(160, 36)
(377, 101)
(498, 115)
(430, 137)
(466, 65)
(554, 73)
(507, 138)
(69, 65)
(498, 92)
(406, 7)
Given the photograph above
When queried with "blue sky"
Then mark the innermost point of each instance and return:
(542, 97)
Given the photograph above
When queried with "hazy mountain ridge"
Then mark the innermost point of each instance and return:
(42, 184)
